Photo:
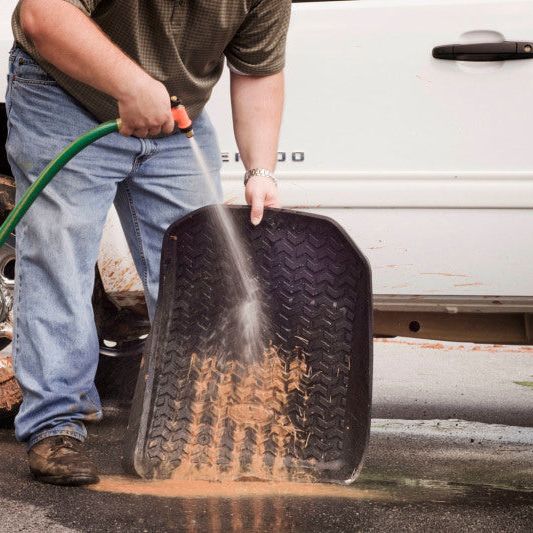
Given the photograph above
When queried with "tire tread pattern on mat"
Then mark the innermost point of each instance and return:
(317, 294)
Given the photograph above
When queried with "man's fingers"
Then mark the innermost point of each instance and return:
(260, 194)
(169, 125)
(272, 198)
(154, 131)
(125, 130)
(257, 209)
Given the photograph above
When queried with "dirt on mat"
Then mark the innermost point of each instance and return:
(240, 426)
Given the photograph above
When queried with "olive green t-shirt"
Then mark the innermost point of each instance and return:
(181, 43)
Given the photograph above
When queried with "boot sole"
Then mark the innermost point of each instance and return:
(72, 481)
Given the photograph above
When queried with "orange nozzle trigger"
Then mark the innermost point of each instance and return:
(181, 117)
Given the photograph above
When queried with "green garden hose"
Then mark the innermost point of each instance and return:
(50, 171)
(181, 118)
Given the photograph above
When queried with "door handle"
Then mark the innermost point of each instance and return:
(502, 51)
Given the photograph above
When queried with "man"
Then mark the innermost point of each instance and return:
(80, 62)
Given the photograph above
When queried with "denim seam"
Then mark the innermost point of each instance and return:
(8, 99)
(28, 81)
(154, 148)
(95, 405)
(52, 433)
(137, 230)
(18, 277)
(144, 155)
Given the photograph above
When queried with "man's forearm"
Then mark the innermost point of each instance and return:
(73, 43)
(257, 104)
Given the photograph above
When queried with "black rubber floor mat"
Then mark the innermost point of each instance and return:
(299, 412)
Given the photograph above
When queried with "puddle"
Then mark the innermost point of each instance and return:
(194, 506)
(404, 490)
(173, 488)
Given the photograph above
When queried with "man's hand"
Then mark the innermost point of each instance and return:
(144, 109)
(260, 193)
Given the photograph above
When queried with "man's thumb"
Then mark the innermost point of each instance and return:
(257, 209)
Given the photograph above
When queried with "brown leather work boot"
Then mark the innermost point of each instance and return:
(60, 460)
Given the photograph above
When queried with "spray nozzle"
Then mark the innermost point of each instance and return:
(181, 117)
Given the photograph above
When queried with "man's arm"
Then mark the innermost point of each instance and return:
(257, 105)
(68, 39)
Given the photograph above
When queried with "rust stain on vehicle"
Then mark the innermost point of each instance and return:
(394, 266)
(447, 274)
(426, 80)
(468, 285)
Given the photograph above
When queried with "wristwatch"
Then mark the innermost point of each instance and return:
(262, 172)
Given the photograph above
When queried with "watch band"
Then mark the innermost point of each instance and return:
(262, 172)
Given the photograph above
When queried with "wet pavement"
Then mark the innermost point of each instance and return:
(419, 475)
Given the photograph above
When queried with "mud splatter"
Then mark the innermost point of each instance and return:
(7, 194)
(119, 276)
(447, 274)
(10, 393)
(451, 346)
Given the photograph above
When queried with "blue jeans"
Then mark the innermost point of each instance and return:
(152, 182)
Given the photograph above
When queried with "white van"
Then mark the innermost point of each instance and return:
(427, 162)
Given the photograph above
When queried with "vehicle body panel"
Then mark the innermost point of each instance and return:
(426, 163)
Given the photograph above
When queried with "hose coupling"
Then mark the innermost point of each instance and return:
(181, 116)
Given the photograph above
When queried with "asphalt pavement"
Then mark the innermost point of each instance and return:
(450, 450)
(416, 379)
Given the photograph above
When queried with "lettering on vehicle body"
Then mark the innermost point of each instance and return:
(283, 157)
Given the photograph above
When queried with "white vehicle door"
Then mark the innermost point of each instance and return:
(426, 162)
